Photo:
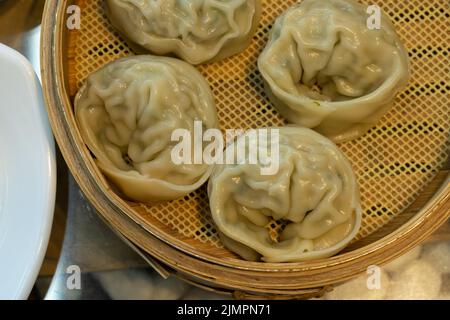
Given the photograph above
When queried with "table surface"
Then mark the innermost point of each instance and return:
(109, 269)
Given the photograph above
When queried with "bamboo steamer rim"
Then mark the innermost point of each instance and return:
(110, 206)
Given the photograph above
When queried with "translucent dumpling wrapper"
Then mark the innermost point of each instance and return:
(325, 69)
(313, 196)
(127, 112)
(197, 31)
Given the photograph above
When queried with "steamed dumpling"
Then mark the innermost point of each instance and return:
(197, 31)
(314, 194)
(324, 69)
(126, 113)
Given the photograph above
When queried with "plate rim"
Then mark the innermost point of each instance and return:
(37, 111)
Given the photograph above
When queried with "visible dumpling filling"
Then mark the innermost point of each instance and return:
(325, 69)
(197, 31)
(313, 196)
(126, 113)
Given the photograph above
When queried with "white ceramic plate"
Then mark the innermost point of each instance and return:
(27, 176)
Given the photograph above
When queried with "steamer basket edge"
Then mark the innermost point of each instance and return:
(340, 267)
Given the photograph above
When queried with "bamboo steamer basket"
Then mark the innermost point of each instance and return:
(401, 164)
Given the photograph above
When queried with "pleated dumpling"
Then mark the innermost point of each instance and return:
(197, 31)
(127, 112)
(325, 69)
(313, 198)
